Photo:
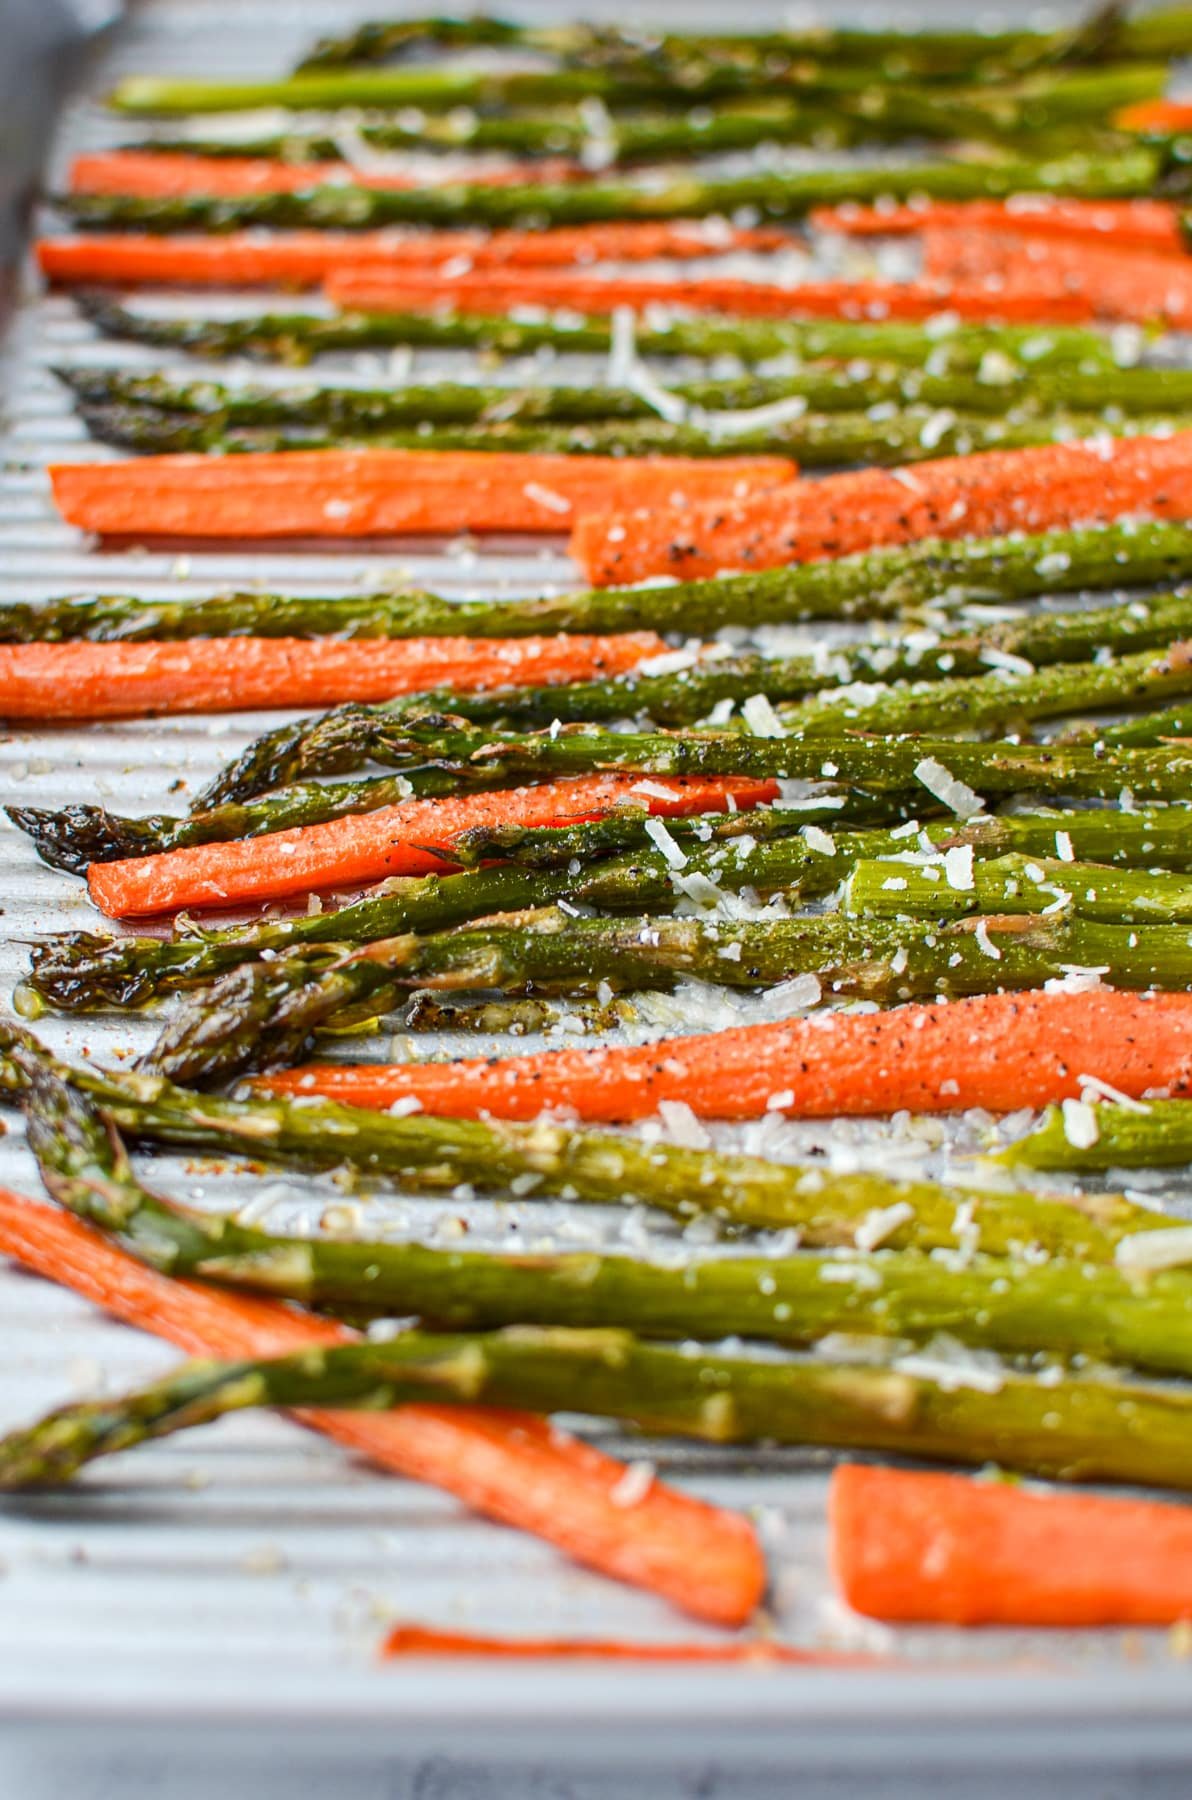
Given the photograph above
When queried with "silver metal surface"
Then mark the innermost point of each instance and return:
(224, 1595)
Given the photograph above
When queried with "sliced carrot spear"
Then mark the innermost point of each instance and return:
(368, 493)
(518, 1469)
(1086, 483)
(366, 287)
(948, 1550)
(999, 1051)
(112, 681)
(1142, 288)
(305, 258)
(165, 174)
(395, 840)
(1156, 115)
(426, 1641)
(1133, 224)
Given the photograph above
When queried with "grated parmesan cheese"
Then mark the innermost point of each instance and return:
(760, 717)
(1080, 1124)
(662, 840)
(956, 795)
(1147, 1252)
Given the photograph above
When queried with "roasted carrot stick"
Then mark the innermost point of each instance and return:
(395, 840)
(1093, 482)
(1133, 224)
(368, 493)
(425, 1641)
(112, 681)
(513, 1467)
(158, 174)
(1143, 288)
(367, 288)
(1156, 115)
(947, 1550)
(1000, 1051)
(305, 258)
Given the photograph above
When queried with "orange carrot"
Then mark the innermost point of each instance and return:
(1133, 224)
(113, 681)
(364, 287)
(395, 840)
(947, 1550)
(153, 174)
(1156, 115)
(513, 1467)
(368, 493)
(426, 1641)
(1093, 482)
(1142, 288)
(1000, 1051)
(305, 258)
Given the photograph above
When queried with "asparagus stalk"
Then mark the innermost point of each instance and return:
(612, 137)
(299, 337)
(1149, 728)
(1021, 884)
(344, 738)
(888, 765)
(443, 89)
(1107, 34)
(876, 585)
(81, 1111)
(871, 779)
(265, 1013)
(85, 971)
(817, 440)
(1003, 701)
(611, 863)
(1060, 1423)
(1152, 1136)
(73, 837)
(779, 194)
(826, 386)
(1013, 1306)
(1160, 836)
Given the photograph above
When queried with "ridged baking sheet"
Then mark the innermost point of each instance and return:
(247, 1573)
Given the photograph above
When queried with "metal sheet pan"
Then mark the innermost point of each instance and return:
(222, 1598)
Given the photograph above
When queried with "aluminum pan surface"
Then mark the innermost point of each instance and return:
(247, 1574)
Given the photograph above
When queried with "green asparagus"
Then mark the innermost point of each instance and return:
(73, 837)
(778, 194)
(86, 971)
(611, 863)
(879, 584)
(817, 440)
(485, 755)
(1017, 1307)
(81, 1110)
(299, 337)
(1107, 35)
(1005, 699)
(1078, 1427)
(1020, 884)
(264, 1014)
(1152, 1134)
(825, 386)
